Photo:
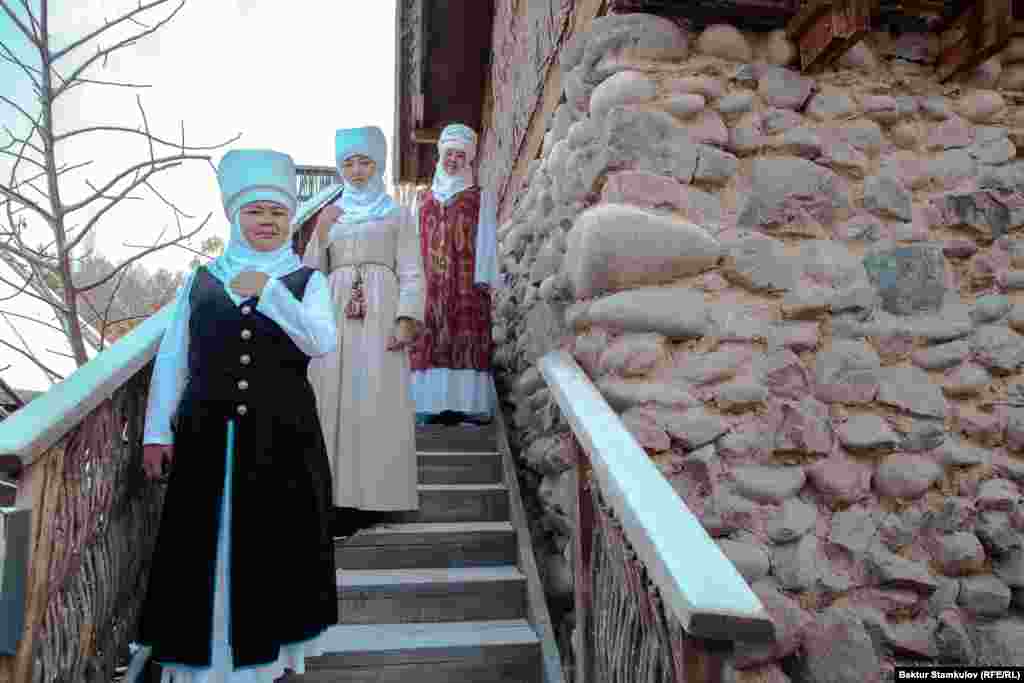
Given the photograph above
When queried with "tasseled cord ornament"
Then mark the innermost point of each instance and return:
(355, 309)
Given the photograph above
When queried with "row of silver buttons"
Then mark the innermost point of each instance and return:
(245, 359)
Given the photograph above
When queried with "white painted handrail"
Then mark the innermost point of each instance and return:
(700, 586)
(31, 430)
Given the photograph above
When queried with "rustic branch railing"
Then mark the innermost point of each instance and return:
(656, 600)
(78, 452)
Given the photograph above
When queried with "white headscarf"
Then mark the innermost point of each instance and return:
(246, 176)
(454, 136)
(372, 201)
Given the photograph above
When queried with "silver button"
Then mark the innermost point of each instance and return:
(242, 410)
(242, 385)
(246, 334)
(245, 359)
(246, 310)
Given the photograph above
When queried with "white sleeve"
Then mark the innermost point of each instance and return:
(486, 254)
(310, 323)
(169, 371)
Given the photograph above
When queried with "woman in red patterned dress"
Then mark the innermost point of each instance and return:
(451, 360)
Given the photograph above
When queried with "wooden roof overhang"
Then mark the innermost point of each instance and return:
(443, 56)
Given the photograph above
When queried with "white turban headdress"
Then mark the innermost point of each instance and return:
(454, 136)
(371, 202)
(246, 176)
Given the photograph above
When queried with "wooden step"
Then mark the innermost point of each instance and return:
(431, 595)
(461, 438)
(450, 467)
(460, 503)
(414, 546)
(470, 651)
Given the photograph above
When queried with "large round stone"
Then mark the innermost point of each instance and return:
(616, 247)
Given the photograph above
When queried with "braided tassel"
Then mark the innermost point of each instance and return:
(355, 309)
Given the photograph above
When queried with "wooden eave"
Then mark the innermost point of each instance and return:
(443, 56)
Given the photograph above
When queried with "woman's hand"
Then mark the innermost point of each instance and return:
(249, 283)
(404, 334)
(154, 456)
(325, 220)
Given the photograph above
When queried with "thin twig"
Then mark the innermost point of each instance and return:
(42, 366)
(136, 131)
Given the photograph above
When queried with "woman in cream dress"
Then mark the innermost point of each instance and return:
(367, 246)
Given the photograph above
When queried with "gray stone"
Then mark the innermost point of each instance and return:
(775, 121)
(782, 187)
(676, 312)
(686, 105)
(825, 106)
(936, 108)
(862, 227)
(846, 373)
(759, 264)
(844, 157)
(990, 308)
(998, 348)
(949, 168)
(1010, 568)
(999, 643)
(952, 640)
(708, 128)
(981, 105)
(710, 367)
(911, 280)
(892, 570)
(736, 103)
(648, 141)
(615, 39)
(996, 533)
(977, 211)
(924, 435)
(910, 390)
(769, 484)
(740, 395)
(623, 395)
(900, 530)
(714, 166)
(951, 323)
(956, 454)
(945, 596)
(881, 108)
(793, 519)
(582, 133)
(886, 196)
(752, 561)
(748, 136)
(747, 74)
(860, 432)
(984, 595)
(615, 246)
(906, 476)
(795, 565)
(863, 134)
(997, 494)
(854, 529)
(967, 380)
(992, 145)
(942, 356)
(954, 513)
(839, 650)
(693, 428)
(801, 142)
(633, 355)
(959, 553)
(783, 88)
(737, 323)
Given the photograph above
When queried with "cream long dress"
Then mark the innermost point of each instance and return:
(362, 389)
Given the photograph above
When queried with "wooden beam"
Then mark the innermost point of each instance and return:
(826, 29)
(982, 30)
(426, 136)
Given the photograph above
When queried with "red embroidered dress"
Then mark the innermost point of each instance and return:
(457, 323)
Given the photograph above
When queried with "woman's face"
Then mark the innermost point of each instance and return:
(358, 169)
(265, 225)
(454, 161)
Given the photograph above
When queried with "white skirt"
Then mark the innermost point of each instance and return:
(222, 667)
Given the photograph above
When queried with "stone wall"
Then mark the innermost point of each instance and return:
(805, 296)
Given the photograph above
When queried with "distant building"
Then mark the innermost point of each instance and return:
(312, 179)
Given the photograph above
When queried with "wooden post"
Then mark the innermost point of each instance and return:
(825, 29)
(983, 29)
(703, 659)
(581, 556)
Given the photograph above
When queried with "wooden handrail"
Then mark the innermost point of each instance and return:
(34, 428)
(699, 585)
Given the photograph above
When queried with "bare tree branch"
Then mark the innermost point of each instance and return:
(103, 53)
(135, 131)
(8, 55)
(20, 24)
(42, 366)
(18, 403)
(144, 253)
(32, 319)
(168, 162)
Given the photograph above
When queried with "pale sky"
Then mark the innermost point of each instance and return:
(285, 75)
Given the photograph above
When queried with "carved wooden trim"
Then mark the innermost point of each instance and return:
(826, 29)
(426, 136)
(974, 36)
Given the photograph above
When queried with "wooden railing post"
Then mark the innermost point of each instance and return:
(582, 546)
(704, 659)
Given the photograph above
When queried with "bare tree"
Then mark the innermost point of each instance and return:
(38, 172)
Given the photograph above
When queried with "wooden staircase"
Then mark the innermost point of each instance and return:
(449, 594)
